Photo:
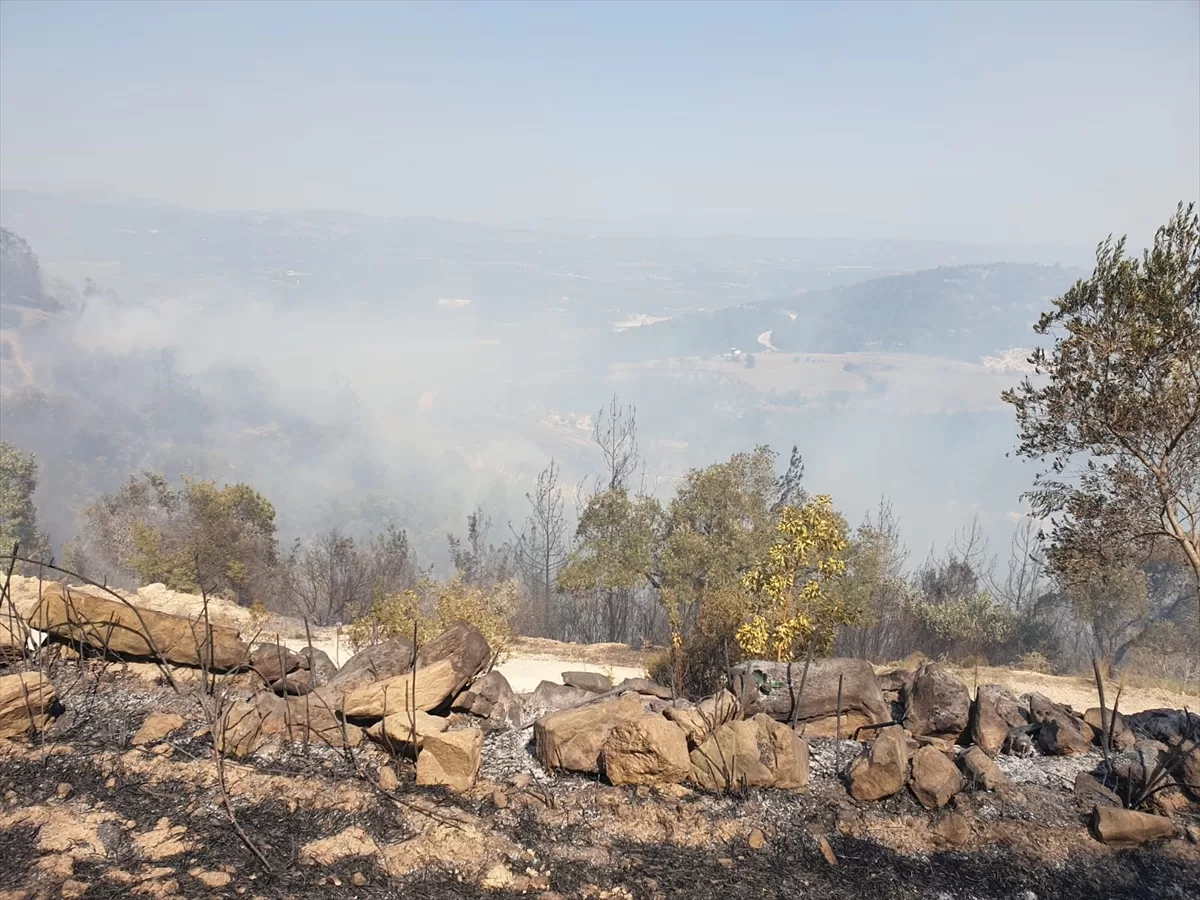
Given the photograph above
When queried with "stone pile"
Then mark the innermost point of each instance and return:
(919, 728)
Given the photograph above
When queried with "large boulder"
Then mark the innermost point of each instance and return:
(936, 703)
(595, 682)
(701, 720)
(321, 668)
(1166, 725)
(463, 646)
(757, 752)
(994, 713)
(271, 662)
(452, 759)
(248, 724)
(396, 732)
(1062, 732)
(773, 688)
(425, 688)
(646, 750)
(1128, 828)
(883, 770)
(935, 779)
(552, 695)
(108, 626)
(504, 707)
(572, 739)
(27, 703)
(981, 770)
(1122, 735)
(375, 663)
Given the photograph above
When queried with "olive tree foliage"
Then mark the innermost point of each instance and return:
(792, 608)
(196, 537)
(18, 514)
(1114, 412)
(644, 572)
(605, 574)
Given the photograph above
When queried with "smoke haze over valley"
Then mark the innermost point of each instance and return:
(390, 287)
(363, 371)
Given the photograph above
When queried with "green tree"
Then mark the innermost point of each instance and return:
(613, 557)
(792, 608)
(18, 514)
(1115, 409)
(202, 535)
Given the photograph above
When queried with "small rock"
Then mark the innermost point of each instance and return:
(826, 849)
(725, 862)
(954, 830)
(452, 759)
(387, 779)
(981, 770)
(1091, 792)
(358, 879)
(156, 727)
(522, 780)
(498, 878)
(756, 840)
(1128, 828)
(499, 799)
(63, 790)
(213, 879)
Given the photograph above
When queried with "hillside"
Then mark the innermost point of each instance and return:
(960, 312)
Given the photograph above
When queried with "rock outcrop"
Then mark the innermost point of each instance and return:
(108, 626)
(27, 702)
(572, 739)
(452, 759)
(773, 688)
(994, 713)
(935, 779)
(757, 752)
(936, 703)
(646, 750)
(883, 770)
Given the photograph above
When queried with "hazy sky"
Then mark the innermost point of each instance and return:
(992, 122)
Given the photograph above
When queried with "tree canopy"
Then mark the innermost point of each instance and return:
(1114, 409)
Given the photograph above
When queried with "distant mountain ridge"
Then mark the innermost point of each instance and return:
(961, 312)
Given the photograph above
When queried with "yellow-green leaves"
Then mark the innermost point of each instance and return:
(790, 603)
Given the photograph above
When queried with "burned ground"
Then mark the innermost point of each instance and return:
(85, 815)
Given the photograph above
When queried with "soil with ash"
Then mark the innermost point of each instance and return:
(84, 815)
